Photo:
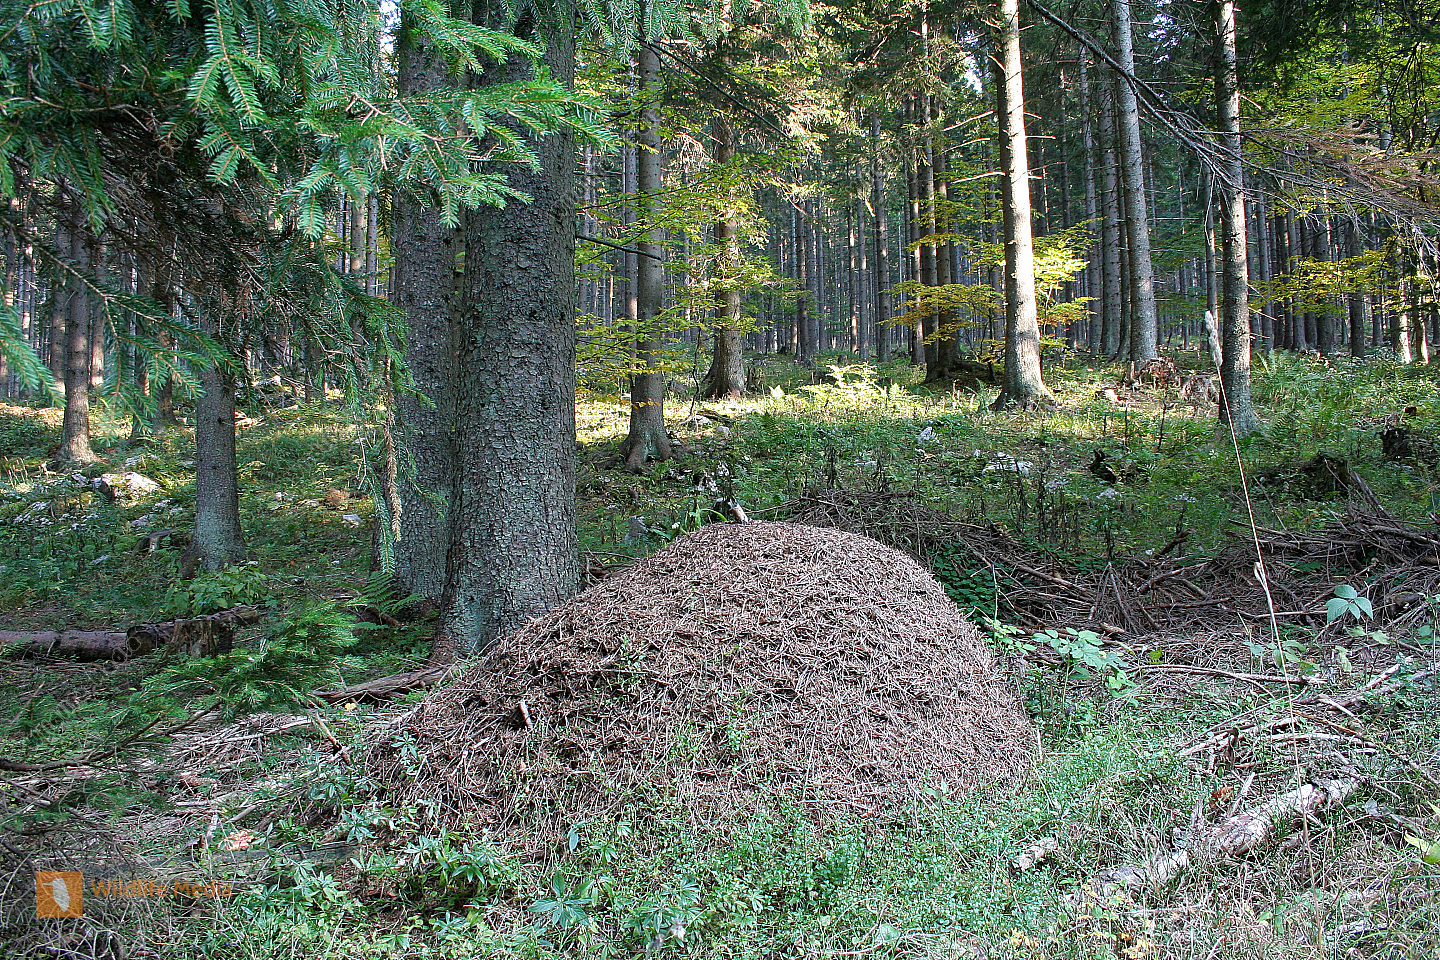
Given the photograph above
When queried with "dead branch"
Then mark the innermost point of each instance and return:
(1233, 837)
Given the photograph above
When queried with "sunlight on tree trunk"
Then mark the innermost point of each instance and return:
(647, 439)
(1144, 341)
(1023, 386)
(1236, 407)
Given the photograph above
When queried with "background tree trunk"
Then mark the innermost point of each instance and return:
(647, 439)
(882, 247)
(75, 432)
(1236, 407)
(1145, 323)
(1023, 386)
(1094, 284)
(727, 367)
(1110, 236)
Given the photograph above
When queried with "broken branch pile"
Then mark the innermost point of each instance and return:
(1159, 592)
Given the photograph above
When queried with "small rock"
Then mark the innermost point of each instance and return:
(351, 519)
(636, 531)
(127, 485)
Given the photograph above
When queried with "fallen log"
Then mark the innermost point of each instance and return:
(383, 688)
(190, 636)
(1230, 838)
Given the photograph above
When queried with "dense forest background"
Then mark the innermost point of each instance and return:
(340, 341)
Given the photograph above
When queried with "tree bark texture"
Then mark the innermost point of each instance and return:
(219, 540)
(1023, 386)
(513, 552)
(1236, 407)
(424, 288)
(1145, 324)
(647, 439)
(1110, 240)
(726, 378)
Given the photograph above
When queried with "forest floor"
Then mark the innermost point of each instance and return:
(1167, 699)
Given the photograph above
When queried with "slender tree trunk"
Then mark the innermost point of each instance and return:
(145, 286)
(1144, 338)
(916, 259)
(882, 246)
(1023, 386)
(1094, 284)
(57, 303)
(864, 303)
(1325, 320)
(647, 439)
(1355, 302)
(947, 345)
(99, 266)
(1110, 237)
(218, 540)
(423, 288)
(1267, 273)
(852, 282)
(1212, 263)
(513, 552)
(75, 432)
(1236, 407)
(925, 182)
(727, 368)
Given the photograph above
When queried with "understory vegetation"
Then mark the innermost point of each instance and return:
(233, 768)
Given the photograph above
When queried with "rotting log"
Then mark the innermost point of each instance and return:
(383, 688)
(191, 636)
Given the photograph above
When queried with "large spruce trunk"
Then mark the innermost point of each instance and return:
(512, 543)
(424, 288)
(1236, 407)
(1023, 386)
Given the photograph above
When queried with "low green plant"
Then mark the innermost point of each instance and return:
(1348, 602)
(568, 905)
(236, 586)
(451, 869)
(308, 649)
(1287, 652)
(1086, 656)
(1429, 847)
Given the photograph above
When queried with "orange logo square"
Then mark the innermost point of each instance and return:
(59, 893)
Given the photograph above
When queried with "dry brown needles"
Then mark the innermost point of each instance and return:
(742, 658)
